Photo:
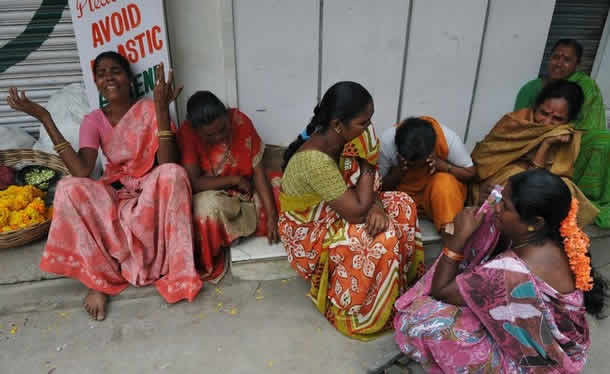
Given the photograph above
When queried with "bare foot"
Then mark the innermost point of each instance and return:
(95, 304)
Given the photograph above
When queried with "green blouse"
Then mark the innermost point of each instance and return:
(313, 173)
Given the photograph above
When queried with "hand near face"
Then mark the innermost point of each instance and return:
(436, 164)
(403, 164)
(558, 139)
(484, 191)
(165, 92)
(465, 224)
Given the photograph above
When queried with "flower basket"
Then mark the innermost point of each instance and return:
(19, 158)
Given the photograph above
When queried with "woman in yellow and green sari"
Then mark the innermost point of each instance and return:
(360, 248)
(591, 171)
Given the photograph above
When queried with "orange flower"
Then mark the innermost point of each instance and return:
(21, 207)
(576, 243)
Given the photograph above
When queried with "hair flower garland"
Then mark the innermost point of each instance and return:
(576, 244)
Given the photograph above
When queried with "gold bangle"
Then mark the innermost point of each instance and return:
(369, 171)
(61, 146)
(453, 255)
(60, 151)
(166, 138)
(165, 133)
(536, 165)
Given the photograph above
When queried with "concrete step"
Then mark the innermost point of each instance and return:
(253, 258)
(21, 264)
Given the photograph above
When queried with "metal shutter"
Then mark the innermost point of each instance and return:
(38, 53)
(582, 20)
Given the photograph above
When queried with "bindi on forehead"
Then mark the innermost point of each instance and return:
(565, 51)
(107, 64)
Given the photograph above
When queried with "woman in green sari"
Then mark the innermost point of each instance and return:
(591, 169)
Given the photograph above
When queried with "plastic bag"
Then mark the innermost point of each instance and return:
(68, 107)
(15, 138)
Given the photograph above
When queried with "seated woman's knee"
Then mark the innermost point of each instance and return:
(207, 201)
(69, 184)
(173, 171)
(442, 182)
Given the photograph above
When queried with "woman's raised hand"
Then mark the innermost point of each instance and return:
(18, 101)
(165, 92)
(436, 164)
(402, 164)
(558, 139)
(466, 223)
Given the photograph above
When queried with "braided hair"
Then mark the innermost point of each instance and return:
(343, 101)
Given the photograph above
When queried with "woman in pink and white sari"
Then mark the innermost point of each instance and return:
(134, 226)
(510, 290)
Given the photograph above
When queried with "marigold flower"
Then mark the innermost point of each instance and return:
(4, 214)
(21, 207)
(576, 243)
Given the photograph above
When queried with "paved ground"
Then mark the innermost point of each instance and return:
(235, 327)
(239, 326)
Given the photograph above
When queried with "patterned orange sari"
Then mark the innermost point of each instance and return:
(140, 234)
(226, 215)
(355, 278)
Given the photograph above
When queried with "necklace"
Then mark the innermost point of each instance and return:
(225, 157)
(520, 245)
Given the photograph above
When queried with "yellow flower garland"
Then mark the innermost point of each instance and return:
(21, 207)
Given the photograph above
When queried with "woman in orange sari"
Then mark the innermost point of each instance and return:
(428, 161)
(134, 225)
(222, 154)
(360, 248)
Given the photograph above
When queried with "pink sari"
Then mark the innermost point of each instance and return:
(513, 321)
(140, 234)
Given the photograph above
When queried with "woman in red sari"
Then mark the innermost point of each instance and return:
(134, 225)
(222, 154)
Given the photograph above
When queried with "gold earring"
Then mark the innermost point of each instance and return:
(531, 228)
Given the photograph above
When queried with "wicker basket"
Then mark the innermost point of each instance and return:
(18, 158)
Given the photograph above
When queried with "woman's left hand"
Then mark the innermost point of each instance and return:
(376, 220)
(272, 234)
(465, 224)
(436, 164)
(558, 139)
(165, 92)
